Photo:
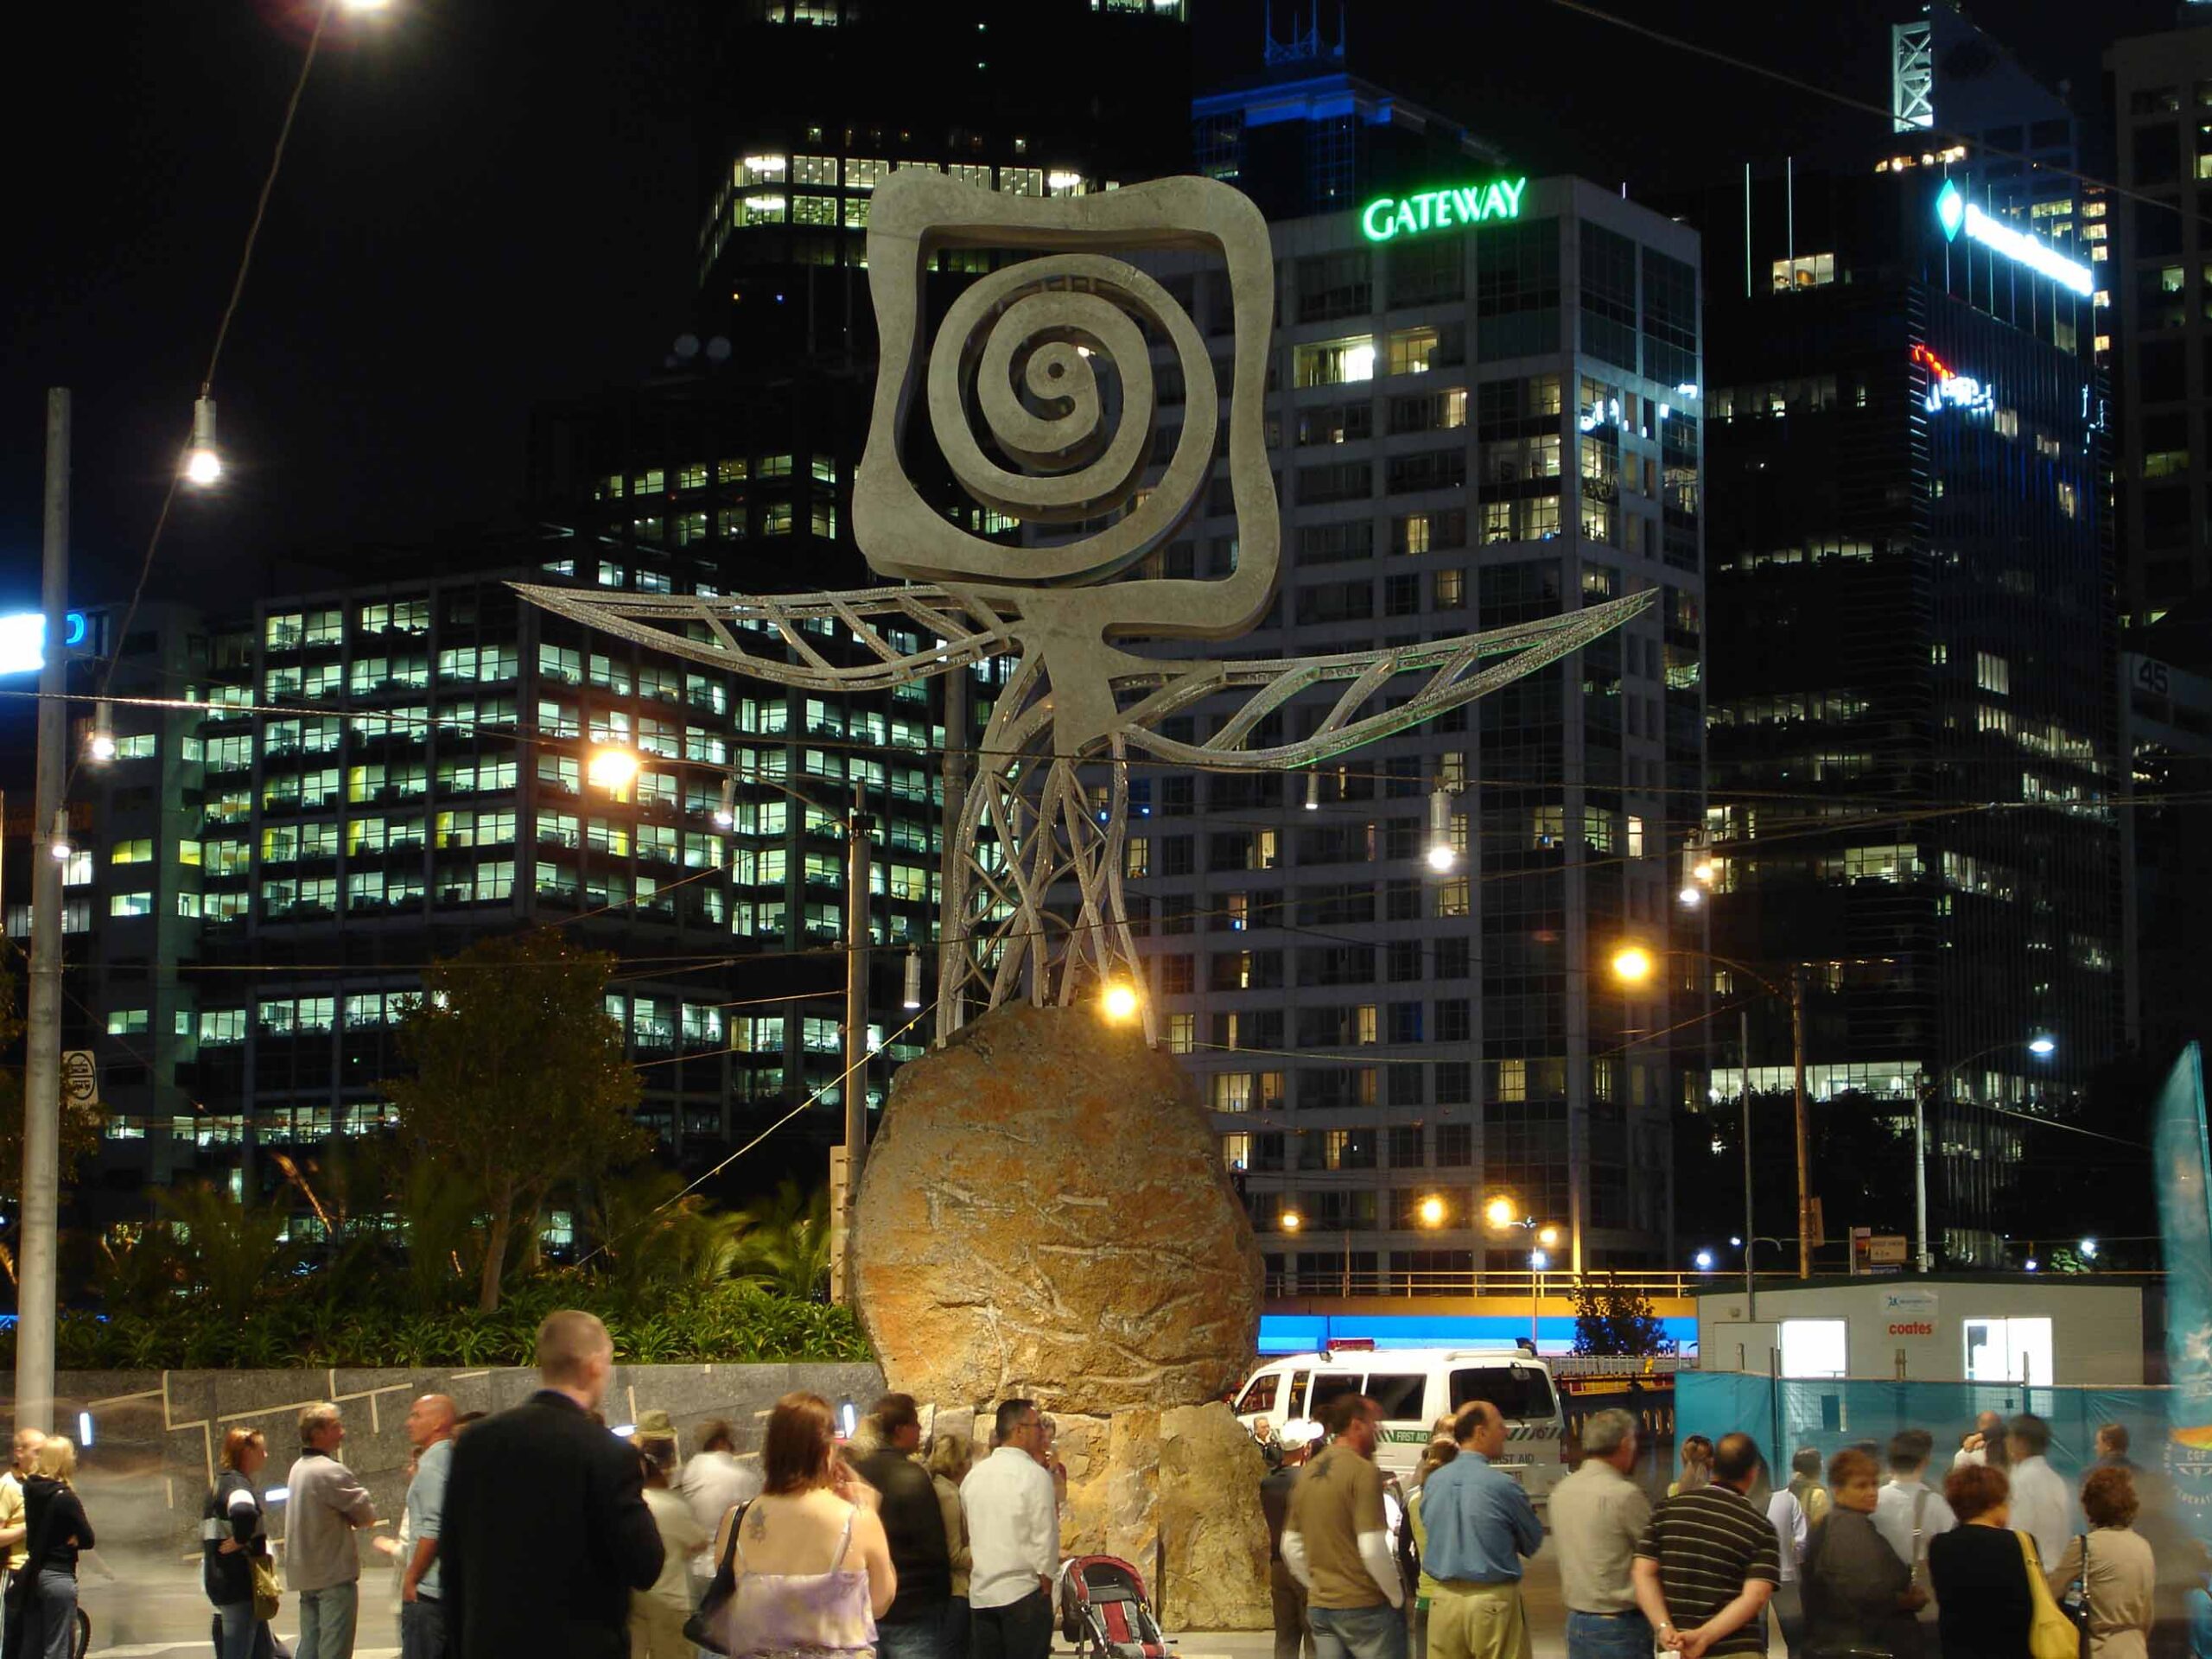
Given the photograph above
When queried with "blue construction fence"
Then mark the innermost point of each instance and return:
(1784, 1415)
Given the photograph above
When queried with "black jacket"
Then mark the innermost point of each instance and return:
(229, 1578)
(913, 1523)
(64, 1532)
(546, 1533)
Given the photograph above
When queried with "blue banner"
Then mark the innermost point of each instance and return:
(2184, 1170)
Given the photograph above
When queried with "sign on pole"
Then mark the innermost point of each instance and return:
(80, 1077)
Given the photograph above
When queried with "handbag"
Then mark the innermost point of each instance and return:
(2052, 1634)
(2074, 1604)
(703, 1627)
(267, 1599)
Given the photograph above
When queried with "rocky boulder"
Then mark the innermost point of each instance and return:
(1044, 1213)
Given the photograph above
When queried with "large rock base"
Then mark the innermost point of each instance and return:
(1044, 1214)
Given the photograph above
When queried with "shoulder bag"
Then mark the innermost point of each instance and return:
(703, 1628)
(267, 1599)
(2052, 1634)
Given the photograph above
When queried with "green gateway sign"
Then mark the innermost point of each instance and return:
(1440, 210)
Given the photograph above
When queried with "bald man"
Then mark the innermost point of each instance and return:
(421, 1596)
(546, 1528)
(1480, 1523)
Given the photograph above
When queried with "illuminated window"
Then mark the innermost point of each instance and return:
(1806, 270)
(1021, 180)
(1334, 362)
(814, 170)
(865, 172)
(130, 904)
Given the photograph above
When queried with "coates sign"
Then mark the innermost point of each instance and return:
(1909, 1312)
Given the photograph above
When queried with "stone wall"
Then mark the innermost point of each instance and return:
(154, 1434)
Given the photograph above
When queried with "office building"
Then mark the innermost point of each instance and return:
(807, 103)
(2162, 98)
(1473, 424)
(359, 781)
(1913, 729)
(1305, 136)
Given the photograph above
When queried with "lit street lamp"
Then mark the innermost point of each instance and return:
(1119, 1002)
(612, 769)
(1632, 964)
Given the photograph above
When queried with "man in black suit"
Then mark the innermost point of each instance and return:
(546, 1528)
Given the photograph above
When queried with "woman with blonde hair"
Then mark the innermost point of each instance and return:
(233, 1535)
(809, 1555)
(951, 1459)
(55, 1528)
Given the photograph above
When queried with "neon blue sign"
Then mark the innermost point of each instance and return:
(1956, 213)
(23, 640)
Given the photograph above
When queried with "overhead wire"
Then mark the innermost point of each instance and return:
(222, 334)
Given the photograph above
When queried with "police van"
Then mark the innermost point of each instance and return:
(1414, 1387)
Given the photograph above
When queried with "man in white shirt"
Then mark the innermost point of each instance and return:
(1014, 1541)
(1787, 1516)
(1908, 1512)
(2040, 1506)
(716, 1480)
(1990, 1427)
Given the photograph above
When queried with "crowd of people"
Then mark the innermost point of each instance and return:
(1857, 1558)
(537, 1531)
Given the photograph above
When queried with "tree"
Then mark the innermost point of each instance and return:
(519, 1082)
(1612, 1318)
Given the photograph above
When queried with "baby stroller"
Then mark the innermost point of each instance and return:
(1103, 1611)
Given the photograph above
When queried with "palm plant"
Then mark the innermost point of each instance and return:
(786, 1244)
(229, 1252)
(650, 1232)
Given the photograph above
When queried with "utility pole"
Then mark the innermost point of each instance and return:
(858, 828)
(37, 1242)
(1751, 1243)
(1804, 1160)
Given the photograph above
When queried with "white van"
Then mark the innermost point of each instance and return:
(1414, 1387)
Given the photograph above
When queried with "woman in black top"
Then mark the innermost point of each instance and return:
(55, 1530)
(233, 1535)
(1979, 1572)
(1858, 1595)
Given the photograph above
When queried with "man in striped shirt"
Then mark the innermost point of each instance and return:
(1708, 1562)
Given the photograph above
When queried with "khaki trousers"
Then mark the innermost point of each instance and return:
(1476, 1621)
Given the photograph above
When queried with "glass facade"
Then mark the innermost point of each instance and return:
(1913, 730)
(1369, 1032)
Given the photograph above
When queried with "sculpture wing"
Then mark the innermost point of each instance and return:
(1456, 671)
(775, 637)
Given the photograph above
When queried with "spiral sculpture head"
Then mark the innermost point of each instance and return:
(1051, 356)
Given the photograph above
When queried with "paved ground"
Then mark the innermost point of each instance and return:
(155, 1610)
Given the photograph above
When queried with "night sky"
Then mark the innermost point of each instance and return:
(489, 204)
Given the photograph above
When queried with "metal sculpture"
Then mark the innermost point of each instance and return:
(1033, 900)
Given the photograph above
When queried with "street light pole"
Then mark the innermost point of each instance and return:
(859, 826)
(36, 1243)
(1804, 1158)
(1922, 1261)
